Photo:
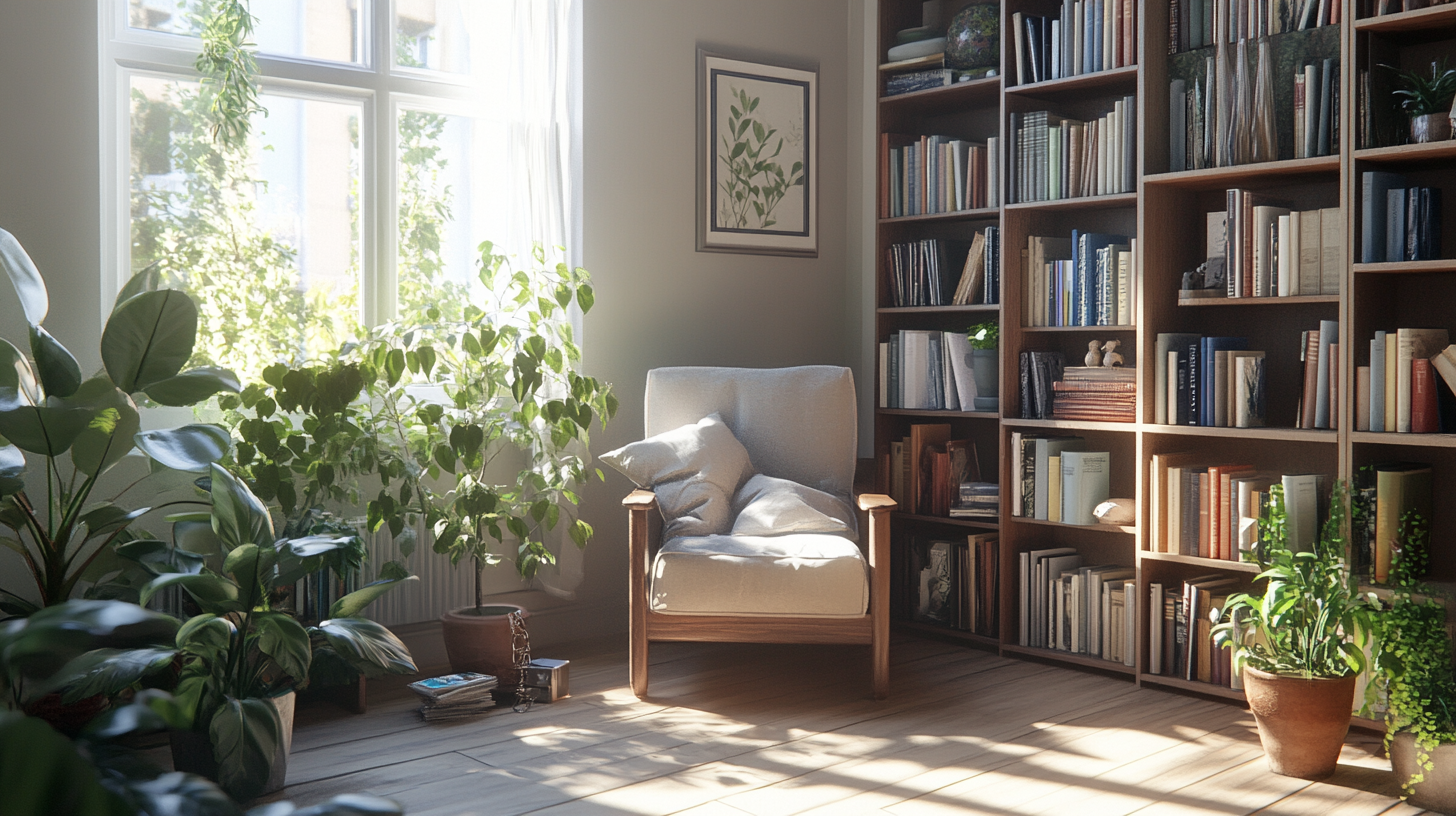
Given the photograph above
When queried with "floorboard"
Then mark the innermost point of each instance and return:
(741, 730)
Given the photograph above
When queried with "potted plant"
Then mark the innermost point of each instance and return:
(986, 364)
(239, 660)
(1415, 663)
(1300, 642)
(476, 429)
(80, 428)
(1427, 101)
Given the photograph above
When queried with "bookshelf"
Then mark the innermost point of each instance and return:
(1166, 212)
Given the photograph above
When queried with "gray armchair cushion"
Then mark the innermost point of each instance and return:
(768, 506)
(694, 470)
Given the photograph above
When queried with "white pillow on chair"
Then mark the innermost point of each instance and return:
(694, 470)
(770, 506)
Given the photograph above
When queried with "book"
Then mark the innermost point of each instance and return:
(1249, 396)
(1085, 484)
(1375, 188)
(925, 438)
(1412, 344)
(449, 686)
(1362, 398)
(1377, 382)
(1329, 333)
(1301, 507)
(1424, 416)
(1400, 488)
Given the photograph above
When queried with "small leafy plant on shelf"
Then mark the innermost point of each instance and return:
(1427, 100)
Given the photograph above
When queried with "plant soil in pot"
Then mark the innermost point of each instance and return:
(478, 639)
(1302, 721)
(1437, 791)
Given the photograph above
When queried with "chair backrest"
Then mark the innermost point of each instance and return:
(797, 423)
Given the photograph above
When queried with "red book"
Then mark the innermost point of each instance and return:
(1424, 416)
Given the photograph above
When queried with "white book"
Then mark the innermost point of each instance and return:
(958, 350)
(884, 384)
(949, 383)
(1292, 275)
(1155, 628)
(1301, 508)
(1085, 484)
(915, 370)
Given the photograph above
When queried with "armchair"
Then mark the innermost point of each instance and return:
(796, 424)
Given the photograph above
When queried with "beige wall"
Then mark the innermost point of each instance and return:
(661, 303)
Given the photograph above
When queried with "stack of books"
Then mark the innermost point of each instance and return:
(1054, 158)
(923, 472)
(926, 370)
(455, 696)
(1098, 394)
(1398, 221)
(978, 500)
(1072, 607)
(924, 79)
(1039, 369)
(1410, 384)
(1199, 23)
(1271, 250)
(956, 582)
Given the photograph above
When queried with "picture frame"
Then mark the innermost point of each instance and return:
(757, 168)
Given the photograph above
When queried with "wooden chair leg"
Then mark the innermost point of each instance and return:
(637, 668)
(878, 509)
(642, 510)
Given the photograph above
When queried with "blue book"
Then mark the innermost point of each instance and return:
(1377, 382)
(1208, 354)
(1096, 48)
(1084, 248)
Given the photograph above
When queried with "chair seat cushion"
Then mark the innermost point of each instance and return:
(802, 574)
(766, 506)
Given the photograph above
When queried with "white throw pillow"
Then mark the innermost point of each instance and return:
(769, 506)
(694, 470)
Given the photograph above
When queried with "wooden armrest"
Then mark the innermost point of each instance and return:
(643, 499)
(875, 501)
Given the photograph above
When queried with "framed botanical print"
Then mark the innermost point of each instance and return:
(758, 133)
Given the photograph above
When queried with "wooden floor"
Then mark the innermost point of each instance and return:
(731, 730)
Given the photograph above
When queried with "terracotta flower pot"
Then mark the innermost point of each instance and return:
(192, 750)
(482, 643)
(1432, 127)
(1438, 790)
(1302, 722)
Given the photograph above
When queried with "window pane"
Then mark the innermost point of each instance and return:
(318, 29)
(440, 223)
(432, 34)
(266, 238)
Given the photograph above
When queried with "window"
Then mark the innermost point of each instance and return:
(396, 137)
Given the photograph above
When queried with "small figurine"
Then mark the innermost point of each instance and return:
(1110, 357)
(1094, 357)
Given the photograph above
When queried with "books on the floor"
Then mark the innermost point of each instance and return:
(455, 696)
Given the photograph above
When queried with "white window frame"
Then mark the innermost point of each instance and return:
(377, 84)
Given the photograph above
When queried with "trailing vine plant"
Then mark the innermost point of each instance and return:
(1415, 658)
(229, 69)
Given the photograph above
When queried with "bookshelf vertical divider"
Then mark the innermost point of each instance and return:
(1165, 213)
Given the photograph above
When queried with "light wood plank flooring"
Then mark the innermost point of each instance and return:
(768, 730)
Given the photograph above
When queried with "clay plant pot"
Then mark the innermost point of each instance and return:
(192, 750)
(482, 642)
(1432, 127)
(1302, 722)
(1438, 790)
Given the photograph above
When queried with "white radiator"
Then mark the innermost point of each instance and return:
(440, 588)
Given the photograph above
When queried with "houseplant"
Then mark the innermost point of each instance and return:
(476, 429)
(90, 771)
(1415, 663)
(986, 364)
(1427, 101)
(238, 655)
(1300, 641)
(73, 431)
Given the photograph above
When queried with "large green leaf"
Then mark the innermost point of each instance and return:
(251, 567)
(345, 804)
(29, 286)
(42, 644)
(159, 557)
(107, 671)
(190, 448)
(149, 710)
(207, 636)
(283, 639)
(367, 646)
(12, 461)
(212, 592)
(48, 429)
(245, 735)
(193, 386)
(355, 602)
(180, 794)
(59, 372)
(15, 371)
(108, 518)
(110, 436)
(41, 772)
(147, 280)
(149, 338)
(238, 517)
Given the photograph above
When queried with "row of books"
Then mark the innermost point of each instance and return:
(1054, 158)
(1087, 280)
(1213, 509)
(1215, 382)
(1382, 497)
(1180, 631)
(1407, 388)
(927, 370)
(1083, 37)
(937, 174)
(1038, 371)
(957, 584)
(922, 274)
(1199, 23)
(1081, 609)
(1101, 394)
(1224, 109)
(1058, 479)
(1270, 250)
(1398, 222)
(911, 81)
(926, 471)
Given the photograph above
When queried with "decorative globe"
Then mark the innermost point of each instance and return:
(973, 39)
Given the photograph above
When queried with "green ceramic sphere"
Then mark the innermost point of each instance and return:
(973, 39)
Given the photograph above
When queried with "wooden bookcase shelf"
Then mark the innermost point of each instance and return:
(1165, 215)
(947, 633)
